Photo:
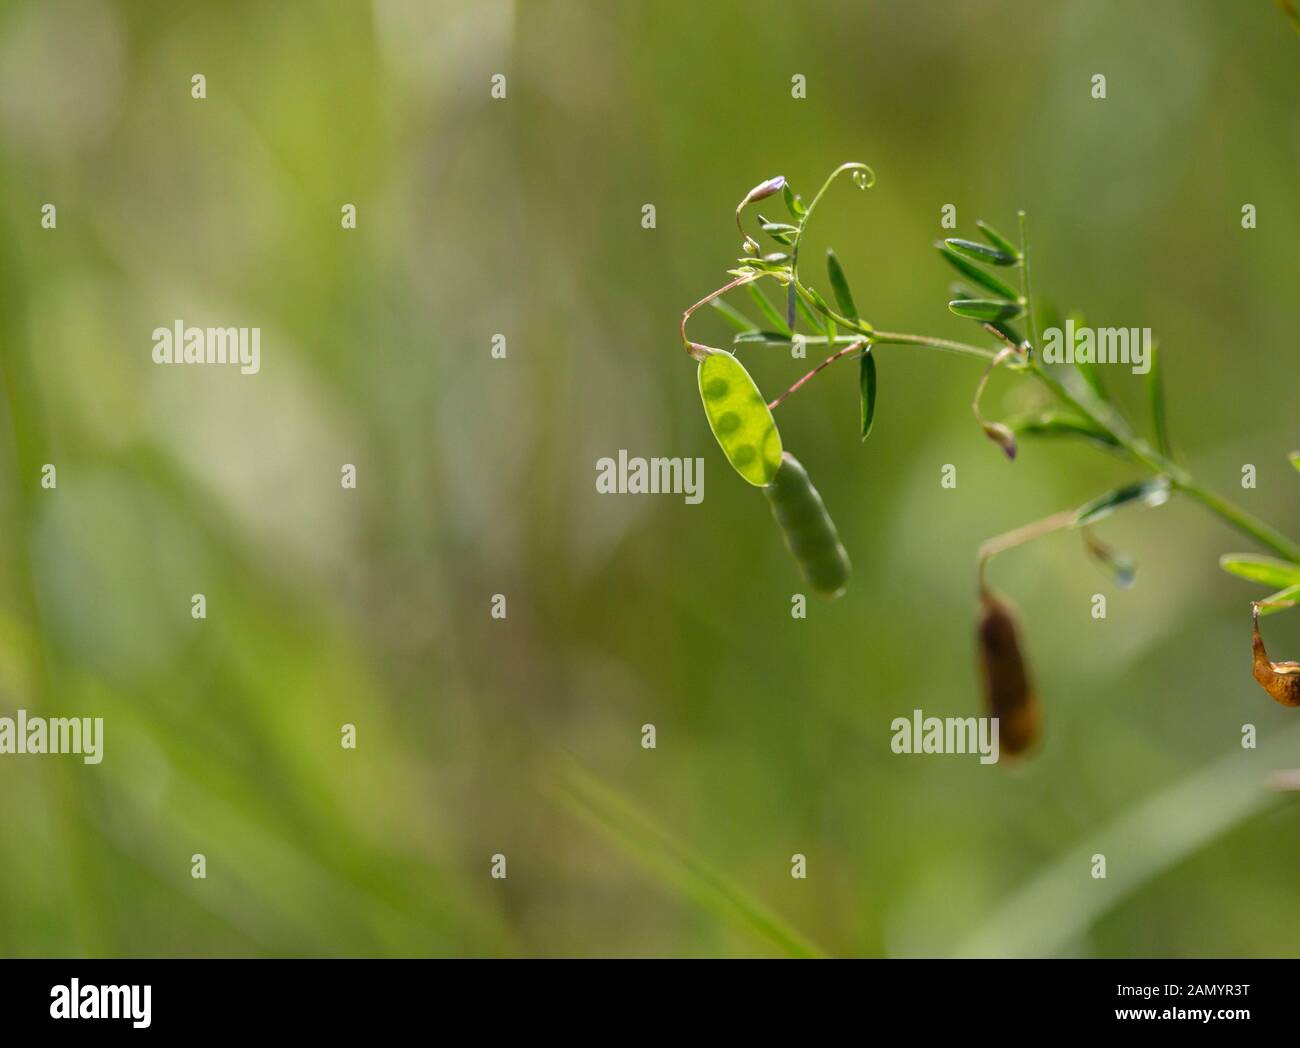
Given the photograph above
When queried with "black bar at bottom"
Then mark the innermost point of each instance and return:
(341, 997)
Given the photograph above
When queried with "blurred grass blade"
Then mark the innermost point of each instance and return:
(1087, 370)
(998, 240)
(867, 389)
(733, 316)
(768, 310)
(1156, 389)
(1152, 492)
(977, 252)
(973, 272)
(1092, 375)
(840, 286)
(626, 825)
(1268, 571)
(984, 309)
(1050, 914)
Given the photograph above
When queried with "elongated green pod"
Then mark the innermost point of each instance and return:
(809, 531)
(739, 418)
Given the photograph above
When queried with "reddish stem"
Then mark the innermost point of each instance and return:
(820, 367)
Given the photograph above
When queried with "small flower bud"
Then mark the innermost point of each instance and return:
(1003, 437)
(765, 189)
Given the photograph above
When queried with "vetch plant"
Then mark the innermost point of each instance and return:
(993, 289)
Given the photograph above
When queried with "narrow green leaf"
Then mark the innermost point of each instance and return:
(792, 203)
(1156, 389)
(867, 389)
(813, 297)
(998, 240)
(1268, 571)
(733, 316)
(1053, 423)
(768, 310)
(840, 286)
(814, 320)
(1280, 601)
(981, 252)
(973, 272)
(985, 309)
(1152, 492)
(766, 338)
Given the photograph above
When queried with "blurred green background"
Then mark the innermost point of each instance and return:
(476, 476)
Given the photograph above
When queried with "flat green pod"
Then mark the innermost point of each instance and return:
(740, 419)
(809, 531)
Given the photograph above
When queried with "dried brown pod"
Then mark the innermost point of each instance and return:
(1279, 679)
(1008, 691)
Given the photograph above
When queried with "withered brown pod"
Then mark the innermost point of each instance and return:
(1279, 679)
(1008, 690)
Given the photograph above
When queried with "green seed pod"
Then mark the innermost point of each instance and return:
(809, 531)
(739, 418)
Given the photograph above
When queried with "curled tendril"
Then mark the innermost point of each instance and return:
(863, 178)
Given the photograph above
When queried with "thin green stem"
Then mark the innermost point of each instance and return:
(1241, 520)
(1026, 288)
(1018, 537)
(808, 213)
(898, 338)
(1141, 452)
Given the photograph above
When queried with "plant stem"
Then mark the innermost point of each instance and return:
(695, 349)
(820, 367)
(1025, 286)
(947, 345)
(1241, 520)
(1139, 451)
